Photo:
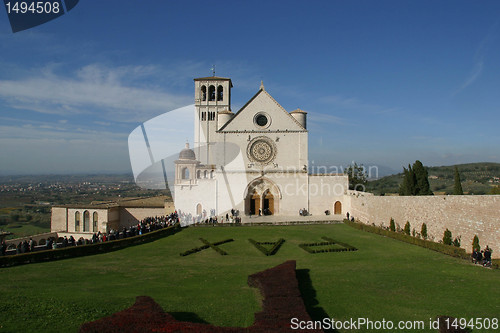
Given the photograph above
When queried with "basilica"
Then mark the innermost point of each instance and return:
(254, 161)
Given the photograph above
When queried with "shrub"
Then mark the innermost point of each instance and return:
(447, 240)
(407, 228)
(392, 226)
(215, 247)
(446, 249)
(423, 230)
(475, 243)
(456, 241)
(267, 252)
(307, 246)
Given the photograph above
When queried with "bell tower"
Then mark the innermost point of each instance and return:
(212, 96)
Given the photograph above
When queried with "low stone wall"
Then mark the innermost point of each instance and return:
(463, 215)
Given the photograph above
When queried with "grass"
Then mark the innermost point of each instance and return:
(385, 278)
(21, 229)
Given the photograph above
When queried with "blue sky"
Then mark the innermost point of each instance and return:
(384, 82)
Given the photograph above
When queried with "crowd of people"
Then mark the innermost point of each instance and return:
(482, 257)
(212, 218)
(144, 226)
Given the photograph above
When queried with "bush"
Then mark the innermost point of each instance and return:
(423, 230)
(270, 252)
(392, 226)
(447, 240)
(407, 228)
(475, 243)
(446, 249)
(307, 246)
(214, 245)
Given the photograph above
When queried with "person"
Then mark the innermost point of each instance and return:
(260, 212)
(474, 256)
(31, 245)
(487, 256)
(347, 215)
(479, 257)
(4, 248)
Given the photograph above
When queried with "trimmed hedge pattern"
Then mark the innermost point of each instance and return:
(439, 247)
(85, 250)
(206, 246)
(267, 252)
(281, 302)
(308, 246)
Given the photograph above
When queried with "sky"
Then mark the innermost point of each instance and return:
(384, 82)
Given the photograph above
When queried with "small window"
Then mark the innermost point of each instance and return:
(94, 224)
(198, 174)
(203, 93)
(77, 222)
(261, 120)
(220, 93)
(212, 174)
(203, 116)
(206, 174)
(211, 93)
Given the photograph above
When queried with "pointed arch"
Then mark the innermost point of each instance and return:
(86, 221)
(77, 221)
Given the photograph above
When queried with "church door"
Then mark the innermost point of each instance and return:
(337, 208)
(255, 204)
(268, 203)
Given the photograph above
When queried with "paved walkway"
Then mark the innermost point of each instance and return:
(297, 219)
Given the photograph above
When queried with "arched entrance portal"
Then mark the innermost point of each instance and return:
(337, 208)
(262, 194)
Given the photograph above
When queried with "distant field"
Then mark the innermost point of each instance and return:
(385, 278)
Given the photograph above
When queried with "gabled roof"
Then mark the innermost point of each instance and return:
(262, 90)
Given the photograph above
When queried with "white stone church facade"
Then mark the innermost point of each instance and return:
(254, 160)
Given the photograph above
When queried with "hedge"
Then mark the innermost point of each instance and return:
(215, 247)
(85, 250)
(439, 247)
(346, 247)
(206, 246)
(271, 251)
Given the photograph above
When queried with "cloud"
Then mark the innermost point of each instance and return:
(120, 94)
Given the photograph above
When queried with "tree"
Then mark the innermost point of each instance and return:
(357, 176)
(475, 243)
(456, 241)
(447, 239)
(409, 182)
(457, 189)
(423, 230)
(495, 190)
(407, 228)
(415, 180)
(422, 179)
(392, 226)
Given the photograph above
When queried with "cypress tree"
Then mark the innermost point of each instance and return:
(423, 230)
(447, 237)
(407, 228)
(392, 226)
(457, 189)
(422, 186)
(475, 243)
(409, 182)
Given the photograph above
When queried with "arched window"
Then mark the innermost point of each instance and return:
(203, 93)
(185, 173)
(211, 93)
(77, 222)
(198, 174)
(212, 174)
(86, 221)
(220, 93)
(198, 209)
(94, 224)
(206, 173)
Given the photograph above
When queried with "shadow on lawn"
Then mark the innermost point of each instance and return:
(188, 316)
(309, 296)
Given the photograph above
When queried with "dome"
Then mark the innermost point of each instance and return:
(187, 153)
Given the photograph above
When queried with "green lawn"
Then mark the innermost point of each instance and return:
(385, 278)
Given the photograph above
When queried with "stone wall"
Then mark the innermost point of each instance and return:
(131, 216)
(464, 215)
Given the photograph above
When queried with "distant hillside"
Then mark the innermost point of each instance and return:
(477, 178)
